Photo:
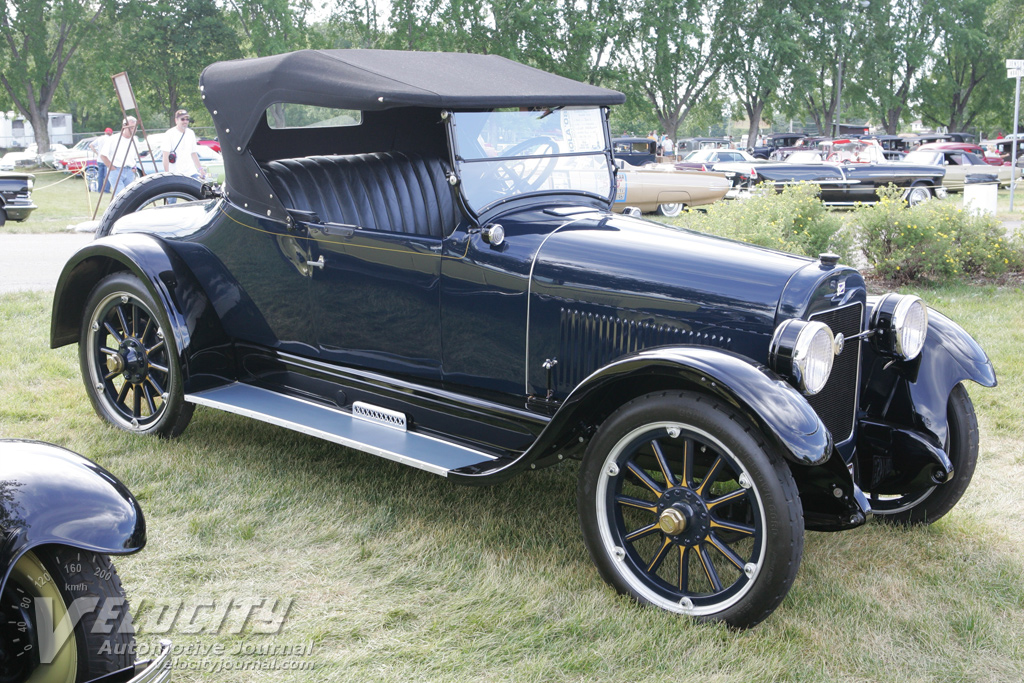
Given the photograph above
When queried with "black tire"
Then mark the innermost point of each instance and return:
(64, 576)
(154, 189)
(736, 552)
(928, 505)
(918, 194)
(129, 365)
(3, 217)
(669, 210)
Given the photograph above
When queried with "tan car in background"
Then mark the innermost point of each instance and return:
(959, 166)
(661, 189)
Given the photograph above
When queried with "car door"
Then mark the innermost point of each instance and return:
(375, 299)
(956, 170)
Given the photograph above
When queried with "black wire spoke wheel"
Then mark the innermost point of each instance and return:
(128, 360)
(128, 348)
(927, 505)
(675, 498)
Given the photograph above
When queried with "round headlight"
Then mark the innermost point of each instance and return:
(803, 351)
(901, 326)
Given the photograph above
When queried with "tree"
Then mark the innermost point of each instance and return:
(766, 38)
(168, 43)
(902, 37)
(675, 54)
(270, 27)
(41, 37)
(959, 87)
(830, 44)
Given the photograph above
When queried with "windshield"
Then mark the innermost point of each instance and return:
(924, 158)
(502, 154)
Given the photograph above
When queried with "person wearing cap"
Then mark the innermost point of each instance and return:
(181, 152)
(120, 156)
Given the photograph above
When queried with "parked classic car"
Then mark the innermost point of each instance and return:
(959, 166)
(61, 516)
(16, 196)
(851, 171)
(988, 157)
(895, 147)
(635, 151)
(774, 141)
(395, 285)
(661, 189)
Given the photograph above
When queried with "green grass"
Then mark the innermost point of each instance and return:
(399, 575)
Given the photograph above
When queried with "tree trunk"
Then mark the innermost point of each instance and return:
(754, 111)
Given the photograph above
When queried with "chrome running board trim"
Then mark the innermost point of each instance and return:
(340, 427)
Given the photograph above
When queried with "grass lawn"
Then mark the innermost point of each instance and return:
(393, 574)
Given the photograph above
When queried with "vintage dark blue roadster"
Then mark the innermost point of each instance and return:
(413, 255)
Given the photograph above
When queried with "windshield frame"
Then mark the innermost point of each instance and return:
(458, 161)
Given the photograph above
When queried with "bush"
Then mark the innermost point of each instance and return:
(934, 241)
(793, 220)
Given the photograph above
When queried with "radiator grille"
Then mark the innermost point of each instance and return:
(590, 341)
(836, 404)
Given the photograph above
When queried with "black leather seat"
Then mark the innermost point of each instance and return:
(386, 191)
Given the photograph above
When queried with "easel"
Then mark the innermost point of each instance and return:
(126, 99)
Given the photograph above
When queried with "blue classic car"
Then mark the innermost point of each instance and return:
(415, 256)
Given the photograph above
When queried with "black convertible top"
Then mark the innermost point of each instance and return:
(238, 92)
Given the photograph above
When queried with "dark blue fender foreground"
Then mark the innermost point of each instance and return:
(49, 495)
(198, 334)
(915, 394)
(773, 405)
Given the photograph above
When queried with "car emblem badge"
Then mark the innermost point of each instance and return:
(838, 343)
(841, 288)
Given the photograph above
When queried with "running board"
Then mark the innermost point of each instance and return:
(377, 438)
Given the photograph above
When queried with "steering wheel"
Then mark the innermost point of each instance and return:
(526, 175)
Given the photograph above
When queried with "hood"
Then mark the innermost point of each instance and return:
(602, 287)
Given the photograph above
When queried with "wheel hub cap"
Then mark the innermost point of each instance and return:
(672, 522)
(683, 516)
(133, 361)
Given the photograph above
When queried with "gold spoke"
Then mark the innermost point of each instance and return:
(710, 476)
(659, 557)
(738, 493)
(642, 531)
(725, 550)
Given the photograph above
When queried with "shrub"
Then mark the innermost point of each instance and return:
(934, 241)
(793, 220)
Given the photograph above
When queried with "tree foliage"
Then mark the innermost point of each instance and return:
(682, 63)
(40, 37)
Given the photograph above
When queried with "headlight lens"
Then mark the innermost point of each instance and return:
(803, 351)
(910, 325)
(901, 326)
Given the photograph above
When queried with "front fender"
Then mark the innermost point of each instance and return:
(950, 356)
(773, 406)
(192, 317)
(49, 495)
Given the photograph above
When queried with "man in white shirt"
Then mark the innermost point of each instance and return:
(181, 153)
(120, 156)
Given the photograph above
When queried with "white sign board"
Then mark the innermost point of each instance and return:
(1015, 63)
(1015, 73)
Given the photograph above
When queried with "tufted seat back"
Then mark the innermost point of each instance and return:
(385, 191)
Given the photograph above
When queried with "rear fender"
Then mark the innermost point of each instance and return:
(194, 322)
(51, 496)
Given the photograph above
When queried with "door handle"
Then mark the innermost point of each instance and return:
(319, 263)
